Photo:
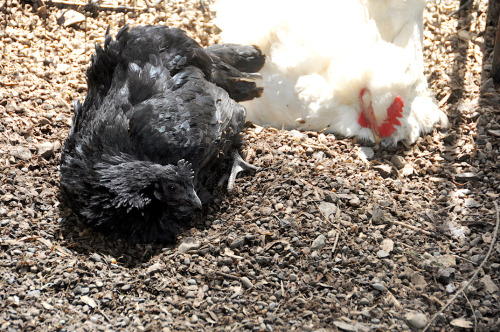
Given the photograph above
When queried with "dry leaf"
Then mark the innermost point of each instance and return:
(461, 322)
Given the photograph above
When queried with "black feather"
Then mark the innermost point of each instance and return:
(156, 128)
(232, 64)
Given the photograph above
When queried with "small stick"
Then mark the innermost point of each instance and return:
(335, 243)
(461, 7)
(473, 313)
(104, 7)
(104, 315)
(411, 227)
(228, 276)
(463, 288)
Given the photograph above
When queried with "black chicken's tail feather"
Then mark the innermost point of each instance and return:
(244, 90)
(233, 65)
(247, 59)
(136, 45)
(103, 65)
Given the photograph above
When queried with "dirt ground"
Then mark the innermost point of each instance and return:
(324, 237)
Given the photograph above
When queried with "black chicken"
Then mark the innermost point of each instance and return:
(158, 131)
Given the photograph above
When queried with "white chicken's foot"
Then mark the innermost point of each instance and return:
(238, 165)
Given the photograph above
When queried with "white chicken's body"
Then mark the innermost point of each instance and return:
(322, 54)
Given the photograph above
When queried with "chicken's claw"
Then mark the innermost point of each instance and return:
(238, 165)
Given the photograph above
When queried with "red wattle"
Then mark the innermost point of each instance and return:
(394, 112)
(362, 121)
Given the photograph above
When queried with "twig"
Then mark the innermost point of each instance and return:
(77, 5)
(463, 288)
(335, 243)
(228, 276)
(103, 314)
(152, 5)
(411, 227)
(473, 312)
(461, 8)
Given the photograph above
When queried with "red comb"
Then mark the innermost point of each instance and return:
(394, 112)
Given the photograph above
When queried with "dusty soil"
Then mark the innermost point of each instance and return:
(324, 237)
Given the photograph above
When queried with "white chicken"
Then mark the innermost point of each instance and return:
(353, 68)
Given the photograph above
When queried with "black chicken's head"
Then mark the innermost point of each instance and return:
(136, 184)
(176, 188)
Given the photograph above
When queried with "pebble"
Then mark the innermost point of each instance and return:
(468, 176)
(96, 257)
(387, 245)
(328, 210)
(285, 224)
(416, 319)
(14, 300)
(319, 243)
(345, 326)
(33, 294)
(445, 276)
(382, 254)
(477, 259)
(190, 295)
(495, 133)
(45, 149)
(398, 161)
(365, 153)
(471, 203)
(194, 319)
(266, 211)
(21, 152)
(379, 287)
(444, 260)
(246, 282)
(189, 244)
(88, 301)
(378, 215)
(126, 287)
(355, 201)
(238, 242)
(407, 170)
(450, 288)
(489, 284)
(418, 280)
(297, 135)
(384, 170)
(69, 17)
(155, 268)
(461, 193)
(47, 306)
(364, 301)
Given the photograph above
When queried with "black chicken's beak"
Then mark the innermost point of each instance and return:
(195, 200)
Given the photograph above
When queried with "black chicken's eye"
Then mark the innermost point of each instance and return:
(171, 188)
